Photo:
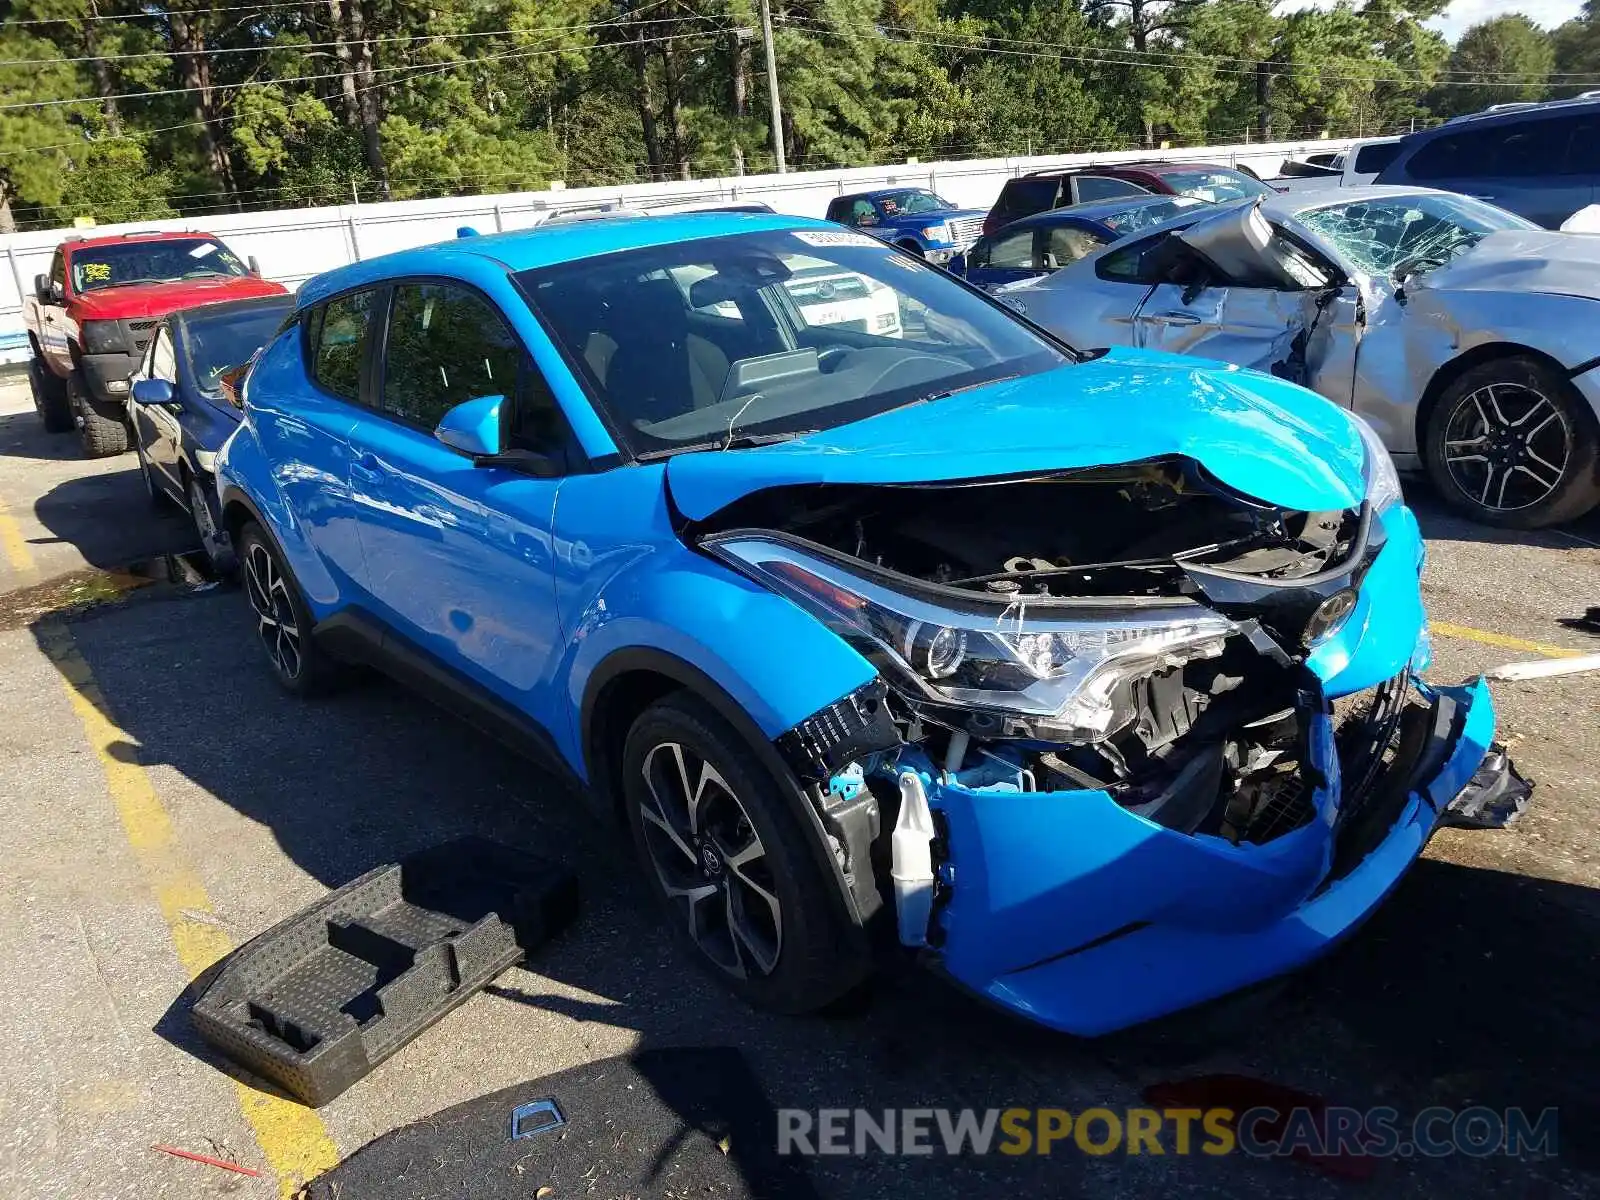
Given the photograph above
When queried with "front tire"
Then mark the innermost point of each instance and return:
(49, 398)
(726, 855)
(283, 622)
(1511, 443)
(102, 430)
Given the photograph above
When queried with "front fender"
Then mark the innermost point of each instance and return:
(245, 480)
(774, 661)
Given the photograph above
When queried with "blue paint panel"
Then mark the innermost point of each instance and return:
(1039, 875)
(1380, 637)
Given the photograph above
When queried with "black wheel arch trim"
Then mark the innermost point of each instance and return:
(659, 662)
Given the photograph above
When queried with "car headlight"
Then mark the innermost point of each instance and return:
(1045, 668)
(101, 337)
(1383, 481)
(936, 233)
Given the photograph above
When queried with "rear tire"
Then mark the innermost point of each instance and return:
(726, 856)
(1511, 443)
(102, 430)
(283, 622)
(49, 398)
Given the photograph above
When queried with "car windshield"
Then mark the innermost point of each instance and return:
(1214, 184)
(697, 344)
(1420, 231)
(910, 202)
(217, 341)
(119, 264)
(1149, 214)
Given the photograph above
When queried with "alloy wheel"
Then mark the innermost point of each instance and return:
(1507, 446)
(710, 861)
(275, 620)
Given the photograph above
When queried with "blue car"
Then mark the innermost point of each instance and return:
(912, 218)
(1092, 676)
(182, 405)
(1037, 245)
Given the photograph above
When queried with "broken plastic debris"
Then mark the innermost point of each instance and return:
(1494, 798)
(1545, 668)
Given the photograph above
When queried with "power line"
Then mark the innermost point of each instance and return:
(293, 47)
(161, 15)
(224, 87)
(1119, 56)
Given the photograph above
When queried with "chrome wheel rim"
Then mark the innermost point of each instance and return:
(1507, 446)
(710, 861)
(275, 621)
(200, 510)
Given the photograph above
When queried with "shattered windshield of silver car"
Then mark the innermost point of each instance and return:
(1420, 231)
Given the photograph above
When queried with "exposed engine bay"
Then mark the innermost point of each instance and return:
(1101, 531)
(1210, 735)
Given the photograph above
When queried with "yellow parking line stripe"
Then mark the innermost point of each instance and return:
(293, 1139)
(17, 551)
(1503, 641)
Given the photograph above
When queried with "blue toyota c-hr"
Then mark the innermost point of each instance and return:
(1093, 675)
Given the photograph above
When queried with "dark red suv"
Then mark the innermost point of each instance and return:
(1059, 187)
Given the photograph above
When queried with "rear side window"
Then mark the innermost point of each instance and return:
(1136, 262)
(1523, 150)
(1372, 159)
(1104, 187)
(1022, 197)
(337, 340)
(1012, 250)
(446, 345)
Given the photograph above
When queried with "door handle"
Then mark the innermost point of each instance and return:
(1172, 318)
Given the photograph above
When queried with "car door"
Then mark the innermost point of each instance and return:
(305, 390)
(158, 426)
(1242, 292)
(57, 329)
(458, 556)
(1006, 257)
(1540, 167)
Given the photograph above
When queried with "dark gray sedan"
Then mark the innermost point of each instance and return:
(181, 407)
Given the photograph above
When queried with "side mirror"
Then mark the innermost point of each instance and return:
(255, 267)
(473, 427)
(42, 290)
(153, 391)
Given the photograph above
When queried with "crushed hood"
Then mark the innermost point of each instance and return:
(1259, 435)
(1522, 260)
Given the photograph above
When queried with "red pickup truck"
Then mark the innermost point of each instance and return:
(91, 318)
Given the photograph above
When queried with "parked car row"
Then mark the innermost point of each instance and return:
(856, 597)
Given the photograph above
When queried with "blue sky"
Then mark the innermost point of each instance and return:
(1463, 14)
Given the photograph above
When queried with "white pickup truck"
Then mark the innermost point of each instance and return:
(1358, 164)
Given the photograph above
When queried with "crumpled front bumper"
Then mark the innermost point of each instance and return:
(1071, 910)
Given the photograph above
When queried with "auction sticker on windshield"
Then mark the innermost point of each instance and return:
(842, 238)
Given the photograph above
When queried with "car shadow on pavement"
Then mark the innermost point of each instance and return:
(1469, 987)
(22, 436)
(92, 514)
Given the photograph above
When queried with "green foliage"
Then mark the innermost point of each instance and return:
(330, 99)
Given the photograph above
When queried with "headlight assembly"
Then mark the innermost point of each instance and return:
(1383, 481)
(102, 337)
(1047, 669)
(937, 233)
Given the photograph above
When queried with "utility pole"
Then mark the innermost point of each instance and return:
(772, 85)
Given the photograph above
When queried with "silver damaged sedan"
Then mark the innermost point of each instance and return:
(1467, 336)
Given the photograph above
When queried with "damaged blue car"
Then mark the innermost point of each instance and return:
(1092, 675)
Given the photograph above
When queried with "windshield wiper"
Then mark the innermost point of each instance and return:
(931, 396)
(744, 441)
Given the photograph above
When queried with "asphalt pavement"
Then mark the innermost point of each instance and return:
(164, 800)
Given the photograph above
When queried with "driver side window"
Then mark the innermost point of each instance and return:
(163, 360)
(446, 345)
(1138, 262)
